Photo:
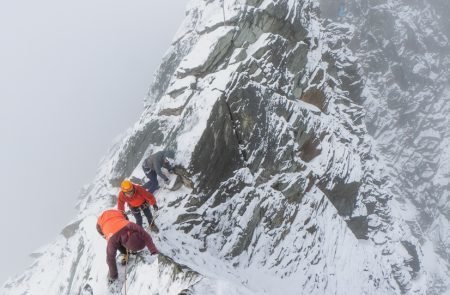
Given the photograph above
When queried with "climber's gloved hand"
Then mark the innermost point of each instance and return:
(111, 280)
(155, 207)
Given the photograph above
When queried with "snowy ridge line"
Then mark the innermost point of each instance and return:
(288, 195)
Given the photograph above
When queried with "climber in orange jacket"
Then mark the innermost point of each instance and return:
(124, 236)
(137, 199)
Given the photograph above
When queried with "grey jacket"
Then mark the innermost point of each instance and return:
(155, 162)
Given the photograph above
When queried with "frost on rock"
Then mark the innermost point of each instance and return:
(288, 192)
(403, 49)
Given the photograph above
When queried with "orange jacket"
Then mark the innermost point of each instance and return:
(110, 222)
(137, 199)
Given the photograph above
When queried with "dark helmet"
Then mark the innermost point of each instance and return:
(169, 153)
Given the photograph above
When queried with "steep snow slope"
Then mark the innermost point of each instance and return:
(260, 100)
(404, 50)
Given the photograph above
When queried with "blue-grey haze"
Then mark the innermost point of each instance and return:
(73, 75)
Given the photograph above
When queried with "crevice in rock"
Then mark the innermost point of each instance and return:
(235, 131)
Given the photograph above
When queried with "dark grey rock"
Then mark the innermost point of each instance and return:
(70, 230)
(359, 226)
(216, 155)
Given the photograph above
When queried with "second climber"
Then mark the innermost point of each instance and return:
(138, 199)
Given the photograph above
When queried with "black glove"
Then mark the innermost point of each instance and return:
(155, 207)
(110, 280)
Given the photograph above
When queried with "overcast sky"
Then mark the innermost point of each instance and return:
(73, 75)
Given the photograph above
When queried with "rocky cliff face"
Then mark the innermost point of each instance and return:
(404, 51)
(265, 104)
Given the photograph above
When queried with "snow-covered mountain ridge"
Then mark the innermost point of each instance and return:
(266, 105)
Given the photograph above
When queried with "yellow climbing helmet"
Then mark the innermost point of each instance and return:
(126, 186)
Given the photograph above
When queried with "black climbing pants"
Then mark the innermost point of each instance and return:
(137, 213)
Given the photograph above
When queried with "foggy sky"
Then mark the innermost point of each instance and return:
(73, 75)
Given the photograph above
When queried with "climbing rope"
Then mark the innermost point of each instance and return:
(126, 271)
(155, 215)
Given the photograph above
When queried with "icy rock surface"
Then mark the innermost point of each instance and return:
(262, 102)
(404, 51)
